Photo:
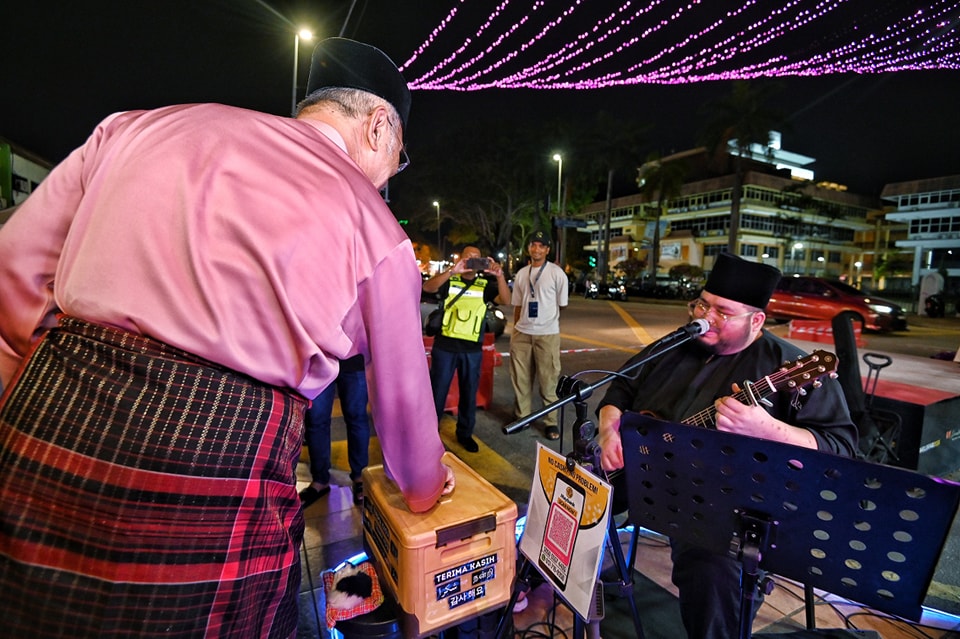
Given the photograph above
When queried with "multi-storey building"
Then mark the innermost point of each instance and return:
(20, 173)
(930, 210)
(796, 224)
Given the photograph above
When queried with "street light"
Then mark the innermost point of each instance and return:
(559, 160)
(793, 255)
(307, 36)
(439, 248)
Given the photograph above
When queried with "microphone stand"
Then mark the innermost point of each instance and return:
(586, 452)
(570, 389)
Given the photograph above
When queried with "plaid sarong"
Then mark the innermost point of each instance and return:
(145, 493)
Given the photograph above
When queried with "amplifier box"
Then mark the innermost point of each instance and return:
(451, 563)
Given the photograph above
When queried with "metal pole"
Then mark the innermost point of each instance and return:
(439, 247)
(559, 180)
(296, 60)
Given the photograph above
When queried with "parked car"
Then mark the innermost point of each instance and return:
(664, 287)
(823, 299)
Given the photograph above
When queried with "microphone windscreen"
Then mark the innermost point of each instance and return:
(702, 326)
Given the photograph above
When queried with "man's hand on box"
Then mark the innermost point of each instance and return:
(450, 482)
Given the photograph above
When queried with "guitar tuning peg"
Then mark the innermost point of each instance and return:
(833, 375)
(802, 391)
(817, 383)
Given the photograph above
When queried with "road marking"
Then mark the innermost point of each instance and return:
(486, 461)
(642, 335)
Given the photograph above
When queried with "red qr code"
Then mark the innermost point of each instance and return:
(560, 529)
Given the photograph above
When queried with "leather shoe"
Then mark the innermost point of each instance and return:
(552, 432)
(358, 492)
(468, 443)
(310, 494)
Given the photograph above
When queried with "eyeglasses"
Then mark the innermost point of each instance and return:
(700, 309)
(404, 159)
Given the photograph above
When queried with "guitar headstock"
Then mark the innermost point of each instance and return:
(806, 370)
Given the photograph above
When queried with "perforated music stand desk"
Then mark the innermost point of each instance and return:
(867, 532)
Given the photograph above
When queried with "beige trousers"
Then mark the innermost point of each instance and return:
(535, 356)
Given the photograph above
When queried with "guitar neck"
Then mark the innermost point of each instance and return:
(751, 392)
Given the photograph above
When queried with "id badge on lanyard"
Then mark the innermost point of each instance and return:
(533, 306)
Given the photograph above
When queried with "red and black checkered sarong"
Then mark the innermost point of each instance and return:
(145, 493)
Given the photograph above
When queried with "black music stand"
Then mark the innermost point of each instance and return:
(867, 532)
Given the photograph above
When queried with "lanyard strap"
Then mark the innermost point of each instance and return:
(532, 282)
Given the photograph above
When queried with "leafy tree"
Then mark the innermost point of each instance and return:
(744, 118)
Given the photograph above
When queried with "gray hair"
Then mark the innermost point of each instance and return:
(353, 103)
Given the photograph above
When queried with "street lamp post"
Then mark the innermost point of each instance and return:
(307, 36)
(793, 255)
(436, 205)
(563, 233)
(559, 160)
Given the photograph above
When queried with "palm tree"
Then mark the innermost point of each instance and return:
(660, 182)
(743, 118)
(613, 145)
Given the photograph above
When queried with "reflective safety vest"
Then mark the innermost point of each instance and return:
(464, 319)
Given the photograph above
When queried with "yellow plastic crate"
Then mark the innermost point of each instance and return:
(446, 565)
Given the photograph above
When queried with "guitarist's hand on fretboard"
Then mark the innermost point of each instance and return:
(734, 416)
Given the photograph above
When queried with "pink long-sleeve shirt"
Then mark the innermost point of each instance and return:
(251, 240)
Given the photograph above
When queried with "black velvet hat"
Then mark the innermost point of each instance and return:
(340, 62)
(736, 279)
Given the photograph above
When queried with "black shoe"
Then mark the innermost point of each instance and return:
(310, 494)
(358, 492)
(552, 432)
(468, 444)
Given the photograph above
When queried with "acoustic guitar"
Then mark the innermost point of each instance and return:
(792, 376)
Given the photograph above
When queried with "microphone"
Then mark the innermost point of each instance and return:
(694, 329)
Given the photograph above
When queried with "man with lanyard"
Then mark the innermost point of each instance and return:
(458, 347)
(539, 292)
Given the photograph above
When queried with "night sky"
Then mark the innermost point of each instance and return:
(69, 64)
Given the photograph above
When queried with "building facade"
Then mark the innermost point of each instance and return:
(795, 224)
(20, 173)
(930, 211)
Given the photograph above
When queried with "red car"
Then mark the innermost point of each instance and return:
(823, 299)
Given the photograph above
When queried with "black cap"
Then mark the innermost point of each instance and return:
(341, 62)
(539, 236)
(736, 279)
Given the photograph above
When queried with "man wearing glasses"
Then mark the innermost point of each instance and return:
(702, 373)
(162, 329)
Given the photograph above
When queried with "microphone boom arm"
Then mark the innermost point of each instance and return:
(577, 392)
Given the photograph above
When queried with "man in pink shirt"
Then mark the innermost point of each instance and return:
(161, 330)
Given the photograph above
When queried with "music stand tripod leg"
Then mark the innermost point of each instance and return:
(624, 573)
(522, 584)
(586, 452)
(753, 540)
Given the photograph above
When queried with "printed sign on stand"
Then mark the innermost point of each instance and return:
(567, 521)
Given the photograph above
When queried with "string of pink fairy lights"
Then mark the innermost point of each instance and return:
(671, 42)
